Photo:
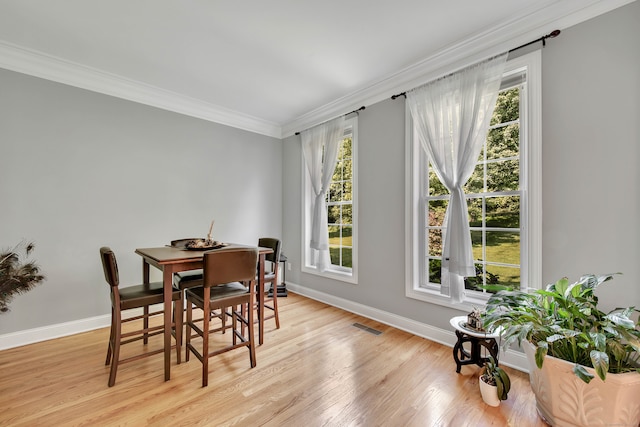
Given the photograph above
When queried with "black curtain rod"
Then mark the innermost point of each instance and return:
(354, 111)
(552, 34)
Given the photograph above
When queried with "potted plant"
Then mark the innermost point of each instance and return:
(16, 274)
(494, 383)
(583, 362)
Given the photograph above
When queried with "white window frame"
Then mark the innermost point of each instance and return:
(531, 203)
(349, 275)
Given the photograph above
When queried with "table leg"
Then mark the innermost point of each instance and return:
(261, 299)
(474, 356)
(167, 279)
(458, 351)
(145, 280)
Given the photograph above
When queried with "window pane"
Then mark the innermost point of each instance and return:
(476, 245)
(333, 214)
(507, 107)
(347, 169)
(347, 214)
(334, 235)
(503, 176)
(488, 275)
(435, 271)
(475, 184)
(435, 241)
(503, 212)
(503, 247)
(335, 192)
(347, 239)
(334, 254)
(503, 142)
(475, 282)
(506, 276)
(337, 172)
(341, 257)
(347, 258)
(436, 188)
(347, 191)
(474, 206)
(346, 147)
(437, 209)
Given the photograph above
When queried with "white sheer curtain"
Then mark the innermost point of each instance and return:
(320, 146)
(451, 116)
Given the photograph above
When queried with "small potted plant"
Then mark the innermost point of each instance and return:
(494, 383)
(583, 362)
(17, 275)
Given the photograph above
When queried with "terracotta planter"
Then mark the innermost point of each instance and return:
(489, 393)
(562, 399)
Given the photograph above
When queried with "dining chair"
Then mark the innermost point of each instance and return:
(270, 279)
(228, 284)
(134, 297)
(190, 279)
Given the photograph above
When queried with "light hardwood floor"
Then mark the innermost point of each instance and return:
(316, 370)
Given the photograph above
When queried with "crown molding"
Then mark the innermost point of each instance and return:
(38, 64)
(559, 15)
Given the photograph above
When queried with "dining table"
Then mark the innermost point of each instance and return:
(170, 260)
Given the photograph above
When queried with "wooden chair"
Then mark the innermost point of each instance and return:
(134, 297)
(191, 279)
(270, 279)
(228, 282)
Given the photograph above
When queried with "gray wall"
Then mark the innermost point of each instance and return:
(79, 170)
(591, 196)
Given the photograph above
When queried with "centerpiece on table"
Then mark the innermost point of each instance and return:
(204, 244)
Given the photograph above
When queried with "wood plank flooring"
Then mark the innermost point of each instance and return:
(316, 370)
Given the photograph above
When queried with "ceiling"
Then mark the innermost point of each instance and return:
(266, 66)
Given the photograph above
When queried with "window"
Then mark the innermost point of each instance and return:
(503, 198)
(341, 212)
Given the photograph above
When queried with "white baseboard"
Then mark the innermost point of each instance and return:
(511, 358)
(30, 336)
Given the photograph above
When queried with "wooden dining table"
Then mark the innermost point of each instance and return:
(171, 260)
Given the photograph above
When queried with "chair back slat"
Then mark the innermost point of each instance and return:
(110, 266)
(269, 242)
(229, 265)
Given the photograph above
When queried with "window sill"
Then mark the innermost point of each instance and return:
(433, 296)
(332, 274)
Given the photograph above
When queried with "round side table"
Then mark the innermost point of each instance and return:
(477, 340)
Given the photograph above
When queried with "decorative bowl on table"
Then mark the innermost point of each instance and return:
(203, 244)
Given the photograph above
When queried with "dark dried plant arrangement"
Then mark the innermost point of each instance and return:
(17, 274)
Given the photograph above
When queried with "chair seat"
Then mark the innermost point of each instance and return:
(220, 292)
(268, 277)
(141, 295)
(188, 279)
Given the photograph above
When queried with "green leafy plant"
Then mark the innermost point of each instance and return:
(16, 274)
(564, 321)
(493, 374)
